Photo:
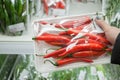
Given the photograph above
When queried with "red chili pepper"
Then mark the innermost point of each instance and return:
(88, 54)
(72, 31)
(79, 41)
(60, 4)
(101, 34)
(69, 60)
(75, 22)
(56, 5)
(83, 40)
(97, 37)
(52, 38)
(48, 34)
(43, 22)
(45, 6)
(108, 49)
(63, 33)
(55, 43)
(55, 53)
(80, 27)
(83, 47)
(65, 25)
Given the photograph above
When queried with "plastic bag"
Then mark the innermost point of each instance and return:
(53, 4)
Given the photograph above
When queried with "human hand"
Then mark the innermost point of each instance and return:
(111, 33)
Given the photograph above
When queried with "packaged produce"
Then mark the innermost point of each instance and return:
(71, 40)
(54, 7)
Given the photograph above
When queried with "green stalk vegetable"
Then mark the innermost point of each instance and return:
(11, 13)
(91, 73)
(113, 7)
(10, 10)
(101, 72)
(2, 17)
(19, 9)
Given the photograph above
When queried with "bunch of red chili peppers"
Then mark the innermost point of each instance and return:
(84, 48)
(56, 4)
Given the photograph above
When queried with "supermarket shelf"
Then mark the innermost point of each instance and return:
(18, 47)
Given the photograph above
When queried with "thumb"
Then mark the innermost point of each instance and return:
(103, 24)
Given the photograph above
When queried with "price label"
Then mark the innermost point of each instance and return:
(16, 27)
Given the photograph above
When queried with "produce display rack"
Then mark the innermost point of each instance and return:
(24, 45)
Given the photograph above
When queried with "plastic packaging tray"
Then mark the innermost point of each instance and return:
(41, 47)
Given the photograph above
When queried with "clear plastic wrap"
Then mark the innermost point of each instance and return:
(54, 7)
(66, 42)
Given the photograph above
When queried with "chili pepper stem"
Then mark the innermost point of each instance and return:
(51, 49)
(65, 29)
(107, 49)
(38, 55)
(34, 38)
(55, 64)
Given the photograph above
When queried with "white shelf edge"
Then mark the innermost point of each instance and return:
(17, 47)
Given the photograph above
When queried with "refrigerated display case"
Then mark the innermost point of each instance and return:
(17, 59)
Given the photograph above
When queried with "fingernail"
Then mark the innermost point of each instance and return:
(98, 18)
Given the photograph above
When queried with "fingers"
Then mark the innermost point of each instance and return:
(103, 24)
